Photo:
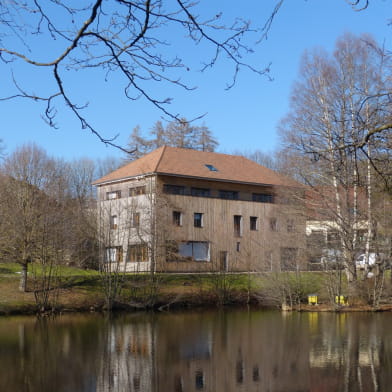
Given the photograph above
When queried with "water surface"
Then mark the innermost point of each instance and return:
(198, 351)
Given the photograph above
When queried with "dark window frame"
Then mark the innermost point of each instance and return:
(237, 221)
(177, 218)
(228, 195)
(253, 223)
(263, 198)
(198, 220)
(172, 189)
(200, 192)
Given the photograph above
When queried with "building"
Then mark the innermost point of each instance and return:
(185, 210)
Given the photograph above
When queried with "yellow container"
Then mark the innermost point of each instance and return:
(341, 300)
(312, 299)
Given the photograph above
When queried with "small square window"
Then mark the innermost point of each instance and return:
(177, 218)
(198, 219)
(253, 223)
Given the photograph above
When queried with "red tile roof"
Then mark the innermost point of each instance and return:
(192, 163)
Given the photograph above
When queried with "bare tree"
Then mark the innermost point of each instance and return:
(32, 221)
(130, 38)
(330, 114)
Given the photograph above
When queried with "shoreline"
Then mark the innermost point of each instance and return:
(189, 303)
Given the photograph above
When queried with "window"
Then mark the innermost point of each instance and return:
(253, 223)
(195, 250)
(114, 254)
(238, 246)
(239, 372)
(138, 253)
(178, 384)
(238, 225)
(290, 225)
(262, 197)
(174, 189)
(288, 259)
(211, 167)
(135, 219)
(177, 218)
(138, 190)
(229, 195)
(256, 374)
(199, 379)
(202, 192)
(273, 224)
(198, 219)
(113, 195)
(113, 222)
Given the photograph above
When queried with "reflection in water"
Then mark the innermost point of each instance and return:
(203, 351)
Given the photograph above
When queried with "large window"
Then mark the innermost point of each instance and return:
(174, 189)
(138, 190)
(195, 250)
(198, 219)
(262, 197)
(238, 225)
(113, 195)
(229, 195)
(138, 253)
(114, 254)
(201, 192)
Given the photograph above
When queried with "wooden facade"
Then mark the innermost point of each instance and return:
(192, 224)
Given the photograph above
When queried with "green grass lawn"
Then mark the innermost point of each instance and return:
(80, 289)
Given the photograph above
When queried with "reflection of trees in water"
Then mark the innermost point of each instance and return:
(126, 363)
(49, 355)
(198, 351)
(352, 353)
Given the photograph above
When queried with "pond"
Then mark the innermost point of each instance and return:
(217, 351)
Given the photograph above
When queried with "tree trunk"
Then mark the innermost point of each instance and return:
(23, 278)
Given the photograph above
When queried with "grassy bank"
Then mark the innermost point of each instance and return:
(82, 290)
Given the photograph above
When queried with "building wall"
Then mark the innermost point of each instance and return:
(278, 229)
(133, 222)
(255, 250)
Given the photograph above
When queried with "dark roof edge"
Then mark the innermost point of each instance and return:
(122, 179)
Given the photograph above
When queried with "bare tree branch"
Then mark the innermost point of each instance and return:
(126, 37)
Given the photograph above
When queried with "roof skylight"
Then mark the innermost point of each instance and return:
(211, 167)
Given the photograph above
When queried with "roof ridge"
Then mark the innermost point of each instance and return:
(160, 158)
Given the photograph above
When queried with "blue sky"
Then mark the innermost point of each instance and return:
(243, 118)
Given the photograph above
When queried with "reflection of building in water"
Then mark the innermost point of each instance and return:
(238, 351)
(233, 355)
(127, 361)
